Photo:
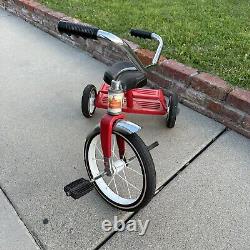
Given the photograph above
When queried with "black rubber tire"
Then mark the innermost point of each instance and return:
(173, 110)
(85, 100)
(146, 163)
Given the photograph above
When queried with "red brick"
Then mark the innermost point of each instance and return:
(215, 107)
(146, 56)
(157, 79)
(54, 16)
(30, 5)
(176, 70)
(57, 15)
(240, 98)
(226, 112)
(179, 88)
(41, 10)
(24, 1)
(20, 2)
(232, 115)
(246, 122)
(211, 85)
(195, 96)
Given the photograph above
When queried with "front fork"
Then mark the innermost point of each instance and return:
(106, 128)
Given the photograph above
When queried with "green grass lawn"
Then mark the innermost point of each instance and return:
(210, 35)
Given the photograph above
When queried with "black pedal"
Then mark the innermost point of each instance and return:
(78, 188)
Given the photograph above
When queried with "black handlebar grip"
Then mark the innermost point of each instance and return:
(77, 30)
(141, 33)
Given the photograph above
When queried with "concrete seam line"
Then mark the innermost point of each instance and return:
(196, 89)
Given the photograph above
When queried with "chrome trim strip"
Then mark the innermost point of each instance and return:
(126, 126)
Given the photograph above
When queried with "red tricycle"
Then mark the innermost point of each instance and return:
(132, 75)
(118, 162)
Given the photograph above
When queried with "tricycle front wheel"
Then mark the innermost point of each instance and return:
(132, 184)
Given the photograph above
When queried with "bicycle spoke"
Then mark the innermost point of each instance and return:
(129, 183)
(134, 170)
(113, 149)
(115, 186)
(96, 159)
(111, 180)
(99, 150)
(115, 156)
(126, 183)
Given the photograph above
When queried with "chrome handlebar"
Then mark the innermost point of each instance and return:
(159, 49)
(130, 53)
(94, 33)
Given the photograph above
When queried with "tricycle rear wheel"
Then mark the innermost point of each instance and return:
(88, 100)
(173, 101)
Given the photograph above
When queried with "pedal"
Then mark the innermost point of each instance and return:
(153, 145)
(78, 188)
(150, 147)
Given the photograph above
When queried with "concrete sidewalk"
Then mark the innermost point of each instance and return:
(42, 133)
(206, 207)
(13, 233)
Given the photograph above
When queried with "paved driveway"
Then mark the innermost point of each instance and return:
(42, 133)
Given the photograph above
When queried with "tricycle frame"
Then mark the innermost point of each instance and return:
(137, 101)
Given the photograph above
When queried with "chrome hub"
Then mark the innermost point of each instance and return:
(118, 166)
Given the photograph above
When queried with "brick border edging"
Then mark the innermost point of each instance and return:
(205, 93)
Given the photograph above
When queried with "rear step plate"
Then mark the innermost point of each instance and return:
(78, 188)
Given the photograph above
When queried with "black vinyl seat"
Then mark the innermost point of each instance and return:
(129, 79)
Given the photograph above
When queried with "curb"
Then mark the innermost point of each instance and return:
(205, 93)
